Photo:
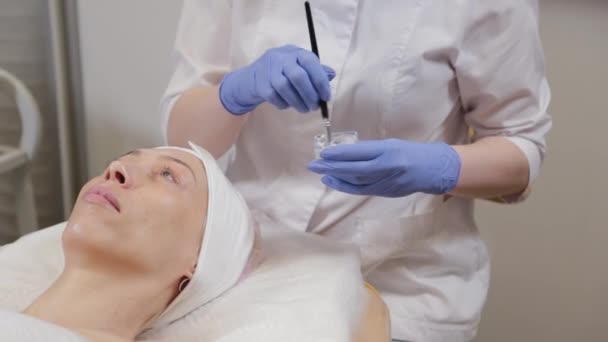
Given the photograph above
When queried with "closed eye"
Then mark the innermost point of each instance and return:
(167, 173)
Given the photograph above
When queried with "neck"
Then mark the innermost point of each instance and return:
(88, 300)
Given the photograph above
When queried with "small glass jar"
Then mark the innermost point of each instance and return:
(337, 138)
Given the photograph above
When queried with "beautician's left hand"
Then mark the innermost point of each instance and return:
(389, 168)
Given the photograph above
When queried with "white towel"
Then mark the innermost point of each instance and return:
(306, 289)
(17, 327)
(227, 246)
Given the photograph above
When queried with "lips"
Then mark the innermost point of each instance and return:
(101, 195)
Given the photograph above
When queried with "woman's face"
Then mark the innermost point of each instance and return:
(143, 216)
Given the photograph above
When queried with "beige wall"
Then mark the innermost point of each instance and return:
(549, 254)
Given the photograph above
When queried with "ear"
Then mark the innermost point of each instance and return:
(185, 279)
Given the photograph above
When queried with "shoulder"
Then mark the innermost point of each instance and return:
(375, 322)
(97, 336)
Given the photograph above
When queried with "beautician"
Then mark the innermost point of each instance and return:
(449, 99)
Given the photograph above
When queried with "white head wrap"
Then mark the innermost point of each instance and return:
(227, 246)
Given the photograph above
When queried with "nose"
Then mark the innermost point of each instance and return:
(118, 173)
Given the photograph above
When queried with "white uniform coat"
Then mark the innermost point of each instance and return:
(419, 70)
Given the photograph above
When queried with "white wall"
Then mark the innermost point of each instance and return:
(125, 50)
(550, 277)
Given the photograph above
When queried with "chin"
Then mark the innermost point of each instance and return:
(91, 232)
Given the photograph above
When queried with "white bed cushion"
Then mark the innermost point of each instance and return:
(306, 289)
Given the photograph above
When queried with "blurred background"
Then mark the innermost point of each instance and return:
(96, 70)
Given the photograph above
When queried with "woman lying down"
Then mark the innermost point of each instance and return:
(160, 233)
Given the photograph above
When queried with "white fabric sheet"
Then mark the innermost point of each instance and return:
(17, 327)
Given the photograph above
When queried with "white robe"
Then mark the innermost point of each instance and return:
(413, 69)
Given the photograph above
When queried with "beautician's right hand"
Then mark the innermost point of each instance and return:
(286, 76)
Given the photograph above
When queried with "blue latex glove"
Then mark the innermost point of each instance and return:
(389, 168)
(286, 76)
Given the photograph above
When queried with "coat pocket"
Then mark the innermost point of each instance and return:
(383, 238)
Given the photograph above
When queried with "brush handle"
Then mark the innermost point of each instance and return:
(315, 50)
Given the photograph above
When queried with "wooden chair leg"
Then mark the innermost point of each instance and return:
(27, 220)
